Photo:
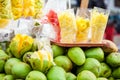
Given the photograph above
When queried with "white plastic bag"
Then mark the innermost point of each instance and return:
(56, 5)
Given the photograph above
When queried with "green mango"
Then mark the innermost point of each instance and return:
(3, 59)
(36, 75)
(116, 73)
(20, 70)
(9, 64)
(56, 73)
(111, 78)
(64, 62)
(8, 77)
(2, 76)
(86, 75)
(90, 64)
(101, 78)
(105, 70)
(27, 57)
(76, 55)
(96, 53)
(113, 59)
(9, 52)
(57, 50)
(70, 76)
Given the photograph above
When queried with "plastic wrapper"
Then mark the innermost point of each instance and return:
(53, 19)
(42, 58)
(83, 25)
(48, 27)
(5, 9)
(68, 26)
(99, 18)
(57, 5)
(6, 35)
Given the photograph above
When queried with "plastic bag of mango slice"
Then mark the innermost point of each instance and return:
(27, 8)
(5, 12)
(5, 9)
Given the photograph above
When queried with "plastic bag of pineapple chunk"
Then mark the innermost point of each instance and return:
(67, 26)
(5, 9)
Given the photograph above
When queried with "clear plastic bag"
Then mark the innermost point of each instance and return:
(67, 26)
(83, 25)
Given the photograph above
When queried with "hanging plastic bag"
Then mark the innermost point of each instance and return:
(57, 5)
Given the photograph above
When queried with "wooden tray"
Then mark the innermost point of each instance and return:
(79, 44)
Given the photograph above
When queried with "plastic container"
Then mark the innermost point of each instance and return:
(99, 18)
(67, 26)
(83, 25)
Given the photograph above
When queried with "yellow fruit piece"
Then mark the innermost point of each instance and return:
(98, 19)
(4, 23)
(28, 8)
(17, 8)
(82, 29)
(21, 39)
(82, 24)
(38, 8)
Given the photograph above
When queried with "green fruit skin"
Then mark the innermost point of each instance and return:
(3, 58)
(105, 70)
(8, 77)
(96, 53)
(15, 50)
(64, 62)
(57, 50)
(70, 76)
(113, 59)
(1, 76)
(116, 73)
(111, 78)
(76, 55)
(9, 64)
(9, 52)
(27, 57)
(36, 75)
(2, 63)
(20, 70)
(86, 75)
(56, 73)
(102, 78)
(92, 65)
(36, 64)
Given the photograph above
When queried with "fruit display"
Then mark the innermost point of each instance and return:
(28, 58)
(37, 56)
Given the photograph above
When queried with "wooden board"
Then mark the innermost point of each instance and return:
(79, 44)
